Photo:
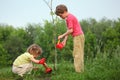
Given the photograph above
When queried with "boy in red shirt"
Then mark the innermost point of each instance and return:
(73, 28)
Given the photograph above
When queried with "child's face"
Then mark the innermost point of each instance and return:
(35, 52)
(63, 16)
(36, 55)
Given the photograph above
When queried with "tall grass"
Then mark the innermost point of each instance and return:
(102, 67)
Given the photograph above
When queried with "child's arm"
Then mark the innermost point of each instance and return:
(35, 60)
(41, 61)
(69, 31)
(65, 40)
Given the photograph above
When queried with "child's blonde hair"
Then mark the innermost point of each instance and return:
(35, 48)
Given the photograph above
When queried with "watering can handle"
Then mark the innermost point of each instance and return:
(58, 41)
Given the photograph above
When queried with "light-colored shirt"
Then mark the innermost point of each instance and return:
(23, 59)
(73, 23)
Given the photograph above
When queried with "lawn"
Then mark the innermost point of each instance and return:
(95, 69)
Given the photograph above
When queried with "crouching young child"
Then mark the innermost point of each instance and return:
(23, 63)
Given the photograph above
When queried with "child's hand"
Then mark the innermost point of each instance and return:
(42, 61)
(64, 43)
(60, 36)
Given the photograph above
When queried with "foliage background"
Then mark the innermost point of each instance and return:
(102, 49)
(100, 37)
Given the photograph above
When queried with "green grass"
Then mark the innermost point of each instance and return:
(99, 68)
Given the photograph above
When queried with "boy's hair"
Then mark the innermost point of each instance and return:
(60, 9)
(35, 48)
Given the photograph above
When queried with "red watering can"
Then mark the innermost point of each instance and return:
(48, 70)
(59, 45)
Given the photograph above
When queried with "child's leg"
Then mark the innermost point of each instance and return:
(22, 69)
(78, 53)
